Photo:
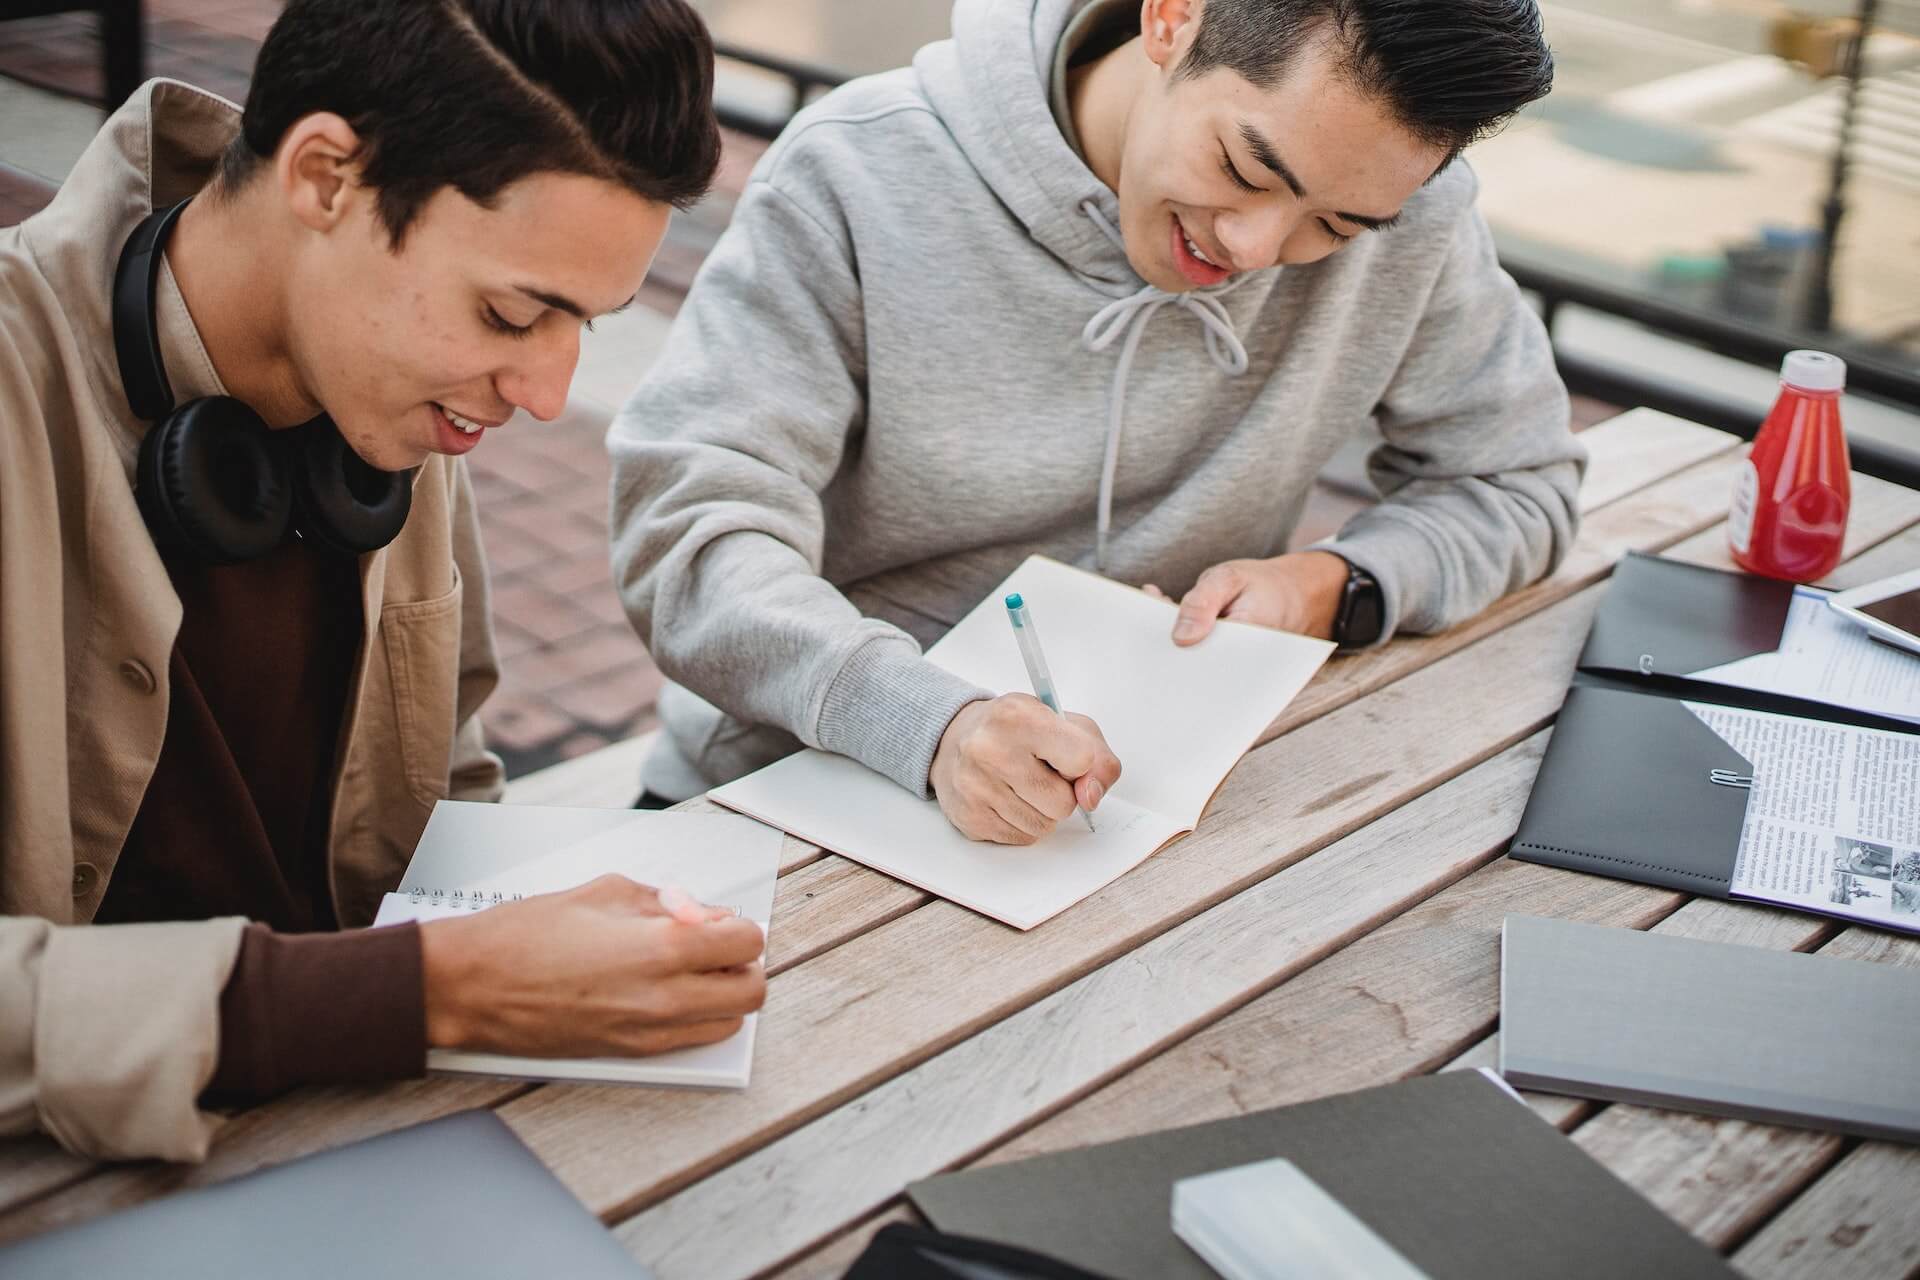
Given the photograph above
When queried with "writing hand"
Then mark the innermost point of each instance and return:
(1009, 769)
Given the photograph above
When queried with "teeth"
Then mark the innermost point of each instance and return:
(467, 425)
(1194, 249)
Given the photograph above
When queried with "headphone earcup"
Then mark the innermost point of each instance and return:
(341, 502)
(212, 483)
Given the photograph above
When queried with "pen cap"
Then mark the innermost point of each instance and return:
(1015, 602)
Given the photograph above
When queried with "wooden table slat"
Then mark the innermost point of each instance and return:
(831, 1260)
(1631, 450)
(901, 993)
(1622, 453)
(791, 1194)
(1859, 1222)
(878, 993)
(1685, 1163)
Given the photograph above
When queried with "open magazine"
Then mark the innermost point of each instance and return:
(1833, 818)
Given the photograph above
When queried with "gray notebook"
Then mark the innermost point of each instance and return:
(459, 1196)
(1776, 1036)
(1452, 1172)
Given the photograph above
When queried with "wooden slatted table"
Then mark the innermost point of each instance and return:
(1331, 925)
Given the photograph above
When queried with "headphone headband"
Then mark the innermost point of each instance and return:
(136, 330)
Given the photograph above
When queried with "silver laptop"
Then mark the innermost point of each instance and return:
(460, 1196)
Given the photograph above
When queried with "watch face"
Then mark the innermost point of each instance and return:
(1362, 612)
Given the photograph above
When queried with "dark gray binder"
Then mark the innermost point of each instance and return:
(1450, 1170)
(1666, 618)
(1627, 788)
(1776, 1036)
(459, 1196)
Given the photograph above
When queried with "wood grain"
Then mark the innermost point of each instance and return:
(1861, 1221)
(866, 991)
(831, 1260)
(1652, 519)
(896, 995)
(1631, 450)
(791, 1194)
(828, 902)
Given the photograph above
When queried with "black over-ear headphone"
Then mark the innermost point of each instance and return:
(213, 481)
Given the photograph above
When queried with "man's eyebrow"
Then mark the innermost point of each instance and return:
(1263, 152)
(561, 303)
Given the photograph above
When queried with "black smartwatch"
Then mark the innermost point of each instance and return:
(1362, 613)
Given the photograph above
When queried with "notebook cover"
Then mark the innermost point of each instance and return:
(1665, 618)
(458, 1196)
(1776, 1036)
(1625, 790)
(1448, 1169)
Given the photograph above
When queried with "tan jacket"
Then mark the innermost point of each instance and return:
(109, 1034)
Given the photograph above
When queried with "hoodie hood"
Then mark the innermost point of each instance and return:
(990, 84)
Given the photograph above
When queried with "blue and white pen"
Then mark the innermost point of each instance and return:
(1029, 640)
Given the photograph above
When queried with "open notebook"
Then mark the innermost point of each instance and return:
(475, 856)
(1178, 719)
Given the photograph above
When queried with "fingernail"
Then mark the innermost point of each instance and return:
(1095, 792)
(1185, 628)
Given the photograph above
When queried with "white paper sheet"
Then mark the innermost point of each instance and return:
(1825, 657)
(466, 842)
(1833, 822)
(718, 859)
(1178, 719)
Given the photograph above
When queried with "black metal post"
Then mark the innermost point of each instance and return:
(1820, 294)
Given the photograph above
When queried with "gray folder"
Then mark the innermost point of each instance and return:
(1777, 1036)
(460, 1196)
(1449, 1169)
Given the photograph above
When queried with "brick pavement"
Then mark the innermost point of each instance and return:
(574, 676)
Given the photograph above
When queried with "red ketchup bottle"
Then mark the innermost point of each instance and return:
(1790, 498)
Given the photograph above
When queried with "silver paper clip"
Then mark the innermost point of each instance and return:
(1728, 778)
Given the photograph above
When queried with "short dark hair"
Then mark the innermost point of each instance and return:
(477, 94)
(1450, 71)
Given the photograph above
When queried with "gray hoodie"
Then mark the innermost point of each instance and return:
(919, 355)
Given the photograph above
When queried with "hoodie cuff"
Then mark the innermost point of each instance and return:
(1403, 561)
(888, 708)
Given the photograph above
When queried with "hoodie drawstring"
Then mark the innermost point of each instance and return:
(1129, 316)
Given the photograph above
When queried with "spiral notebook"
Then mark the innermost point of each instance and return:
(475, 856)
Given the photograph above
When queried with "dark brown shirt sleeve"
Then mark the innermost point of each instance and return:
(321, 1008)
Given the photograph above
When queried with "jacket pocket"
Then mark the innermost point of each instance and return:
(421, 640)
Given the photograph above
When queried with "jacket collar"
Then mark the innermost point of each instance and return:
(161, 147)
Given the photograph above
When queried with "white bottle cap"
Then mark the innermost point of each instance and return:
(1813, 371)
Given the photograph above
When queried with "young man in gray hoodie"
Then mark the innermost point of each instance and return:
(1111, 281)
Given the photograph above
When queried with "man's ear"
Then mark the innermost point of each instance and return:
(317, 169)
(1167, 28)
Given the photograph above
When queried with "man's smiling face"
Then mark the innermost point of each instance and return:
(1219, 176)
(419, 348)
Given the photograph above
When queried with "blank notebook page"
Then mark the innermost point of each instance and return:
(1178, 719)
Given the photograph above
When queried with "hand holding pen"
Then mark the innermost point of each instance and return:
(1011, 768)
(1027, 636)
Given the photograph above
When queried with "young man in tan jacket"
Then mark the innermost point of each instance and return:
(404, 232)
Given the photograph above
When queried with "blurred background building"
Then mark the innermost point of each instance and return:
(1668, 206)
